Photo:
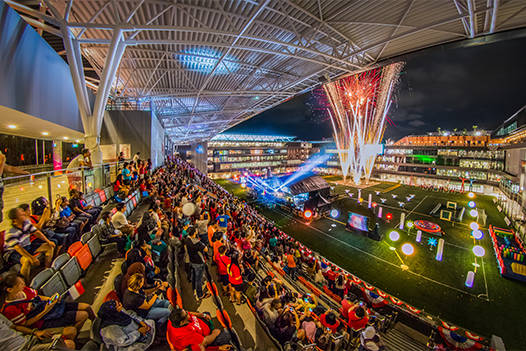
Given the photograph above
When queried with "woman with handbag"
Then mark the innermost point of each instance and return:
(23, 306)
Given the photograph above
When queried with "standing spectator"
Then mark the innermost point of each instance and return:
(136, 158)
(196, 251)
(73, 170)
(18, 246)
(291, 264)
(4, 167)
(202, 227)
(235, 279)
(222, 221)
(120, 222)
(222, 262)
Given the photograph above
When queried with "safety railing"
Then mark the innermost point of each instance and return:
(53, 184)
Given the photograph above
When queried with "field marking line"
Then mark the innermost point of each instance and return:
(378, 258)
(413, 210)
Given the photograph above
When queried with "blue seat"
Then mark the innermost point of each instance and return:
(71, 271)
(94, 246)
(60, 261)
(85, 237)
(54, 285)
(41, 278)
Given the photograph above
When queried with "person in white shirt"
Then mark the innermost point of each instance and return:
(74, 176)
(136, 158)
(120, 222)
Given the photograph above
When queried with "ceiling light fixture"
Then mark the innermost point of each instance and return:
(11, 126)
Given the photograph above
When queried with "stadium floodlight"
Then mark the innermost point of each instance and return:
(474, 226)
(471, 195)
(335, 213)
(307, 214)
(472, 204)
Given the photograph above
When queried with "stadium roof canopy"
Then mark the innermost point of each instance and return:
(204, 66)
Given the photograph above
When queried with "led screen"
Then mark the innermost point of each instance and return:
(357, 221)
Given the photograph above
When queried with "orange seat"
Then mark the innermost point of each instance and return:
(74, 248)
(84, 257)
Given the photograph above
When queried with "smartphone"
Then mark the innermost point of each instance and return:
(53, 298)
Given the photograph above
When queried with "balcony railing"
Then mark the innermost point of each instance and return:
(54, 184)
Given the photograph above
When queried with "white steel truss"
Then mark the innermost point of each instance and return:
(204, 66)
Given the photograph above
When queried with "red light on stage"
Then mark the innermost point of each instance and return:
(374, 204)
(389, 216)
(307, 214)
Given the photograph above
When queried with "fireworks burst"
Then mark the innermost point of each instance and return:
(358, 107)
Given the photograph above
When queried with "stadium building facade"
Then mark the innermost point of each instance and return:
(231, 154)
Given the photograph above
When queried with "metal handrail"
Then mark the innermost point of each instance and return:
(59, 170)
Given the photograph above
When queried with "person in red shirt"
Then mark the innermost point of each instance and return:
(190, 330)
(235, 279)
(19, 303)
(331, 279)
(358, 317)
(223, 261)
(329, 321)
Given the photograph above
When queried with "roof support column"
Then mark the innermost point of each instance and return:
(92, 120)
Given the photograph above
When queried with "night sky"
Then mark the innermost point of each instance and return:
(447, 87)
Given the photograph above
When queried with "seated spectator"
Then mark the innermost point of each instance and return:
(108, 234)
(120, 222)
(235, 279)
(119, 188)
(39, 223)
(127, 173)
(192, 331)
(47, 219)
(370, 340)
(271, 311)
(141, 252)
(330, 321)
(18, 338)
(75, 203)
(69, 217)
(18, 247)
(93, 210)
(24, 307)
(339, 286)
(122, 330)
(135, 299)
(286, 325)
(139, 268)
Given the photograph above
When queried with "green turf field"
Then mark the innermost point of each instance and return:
(492, 306)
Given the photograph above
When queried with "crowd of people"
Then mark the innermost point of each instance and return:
(212, 230)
